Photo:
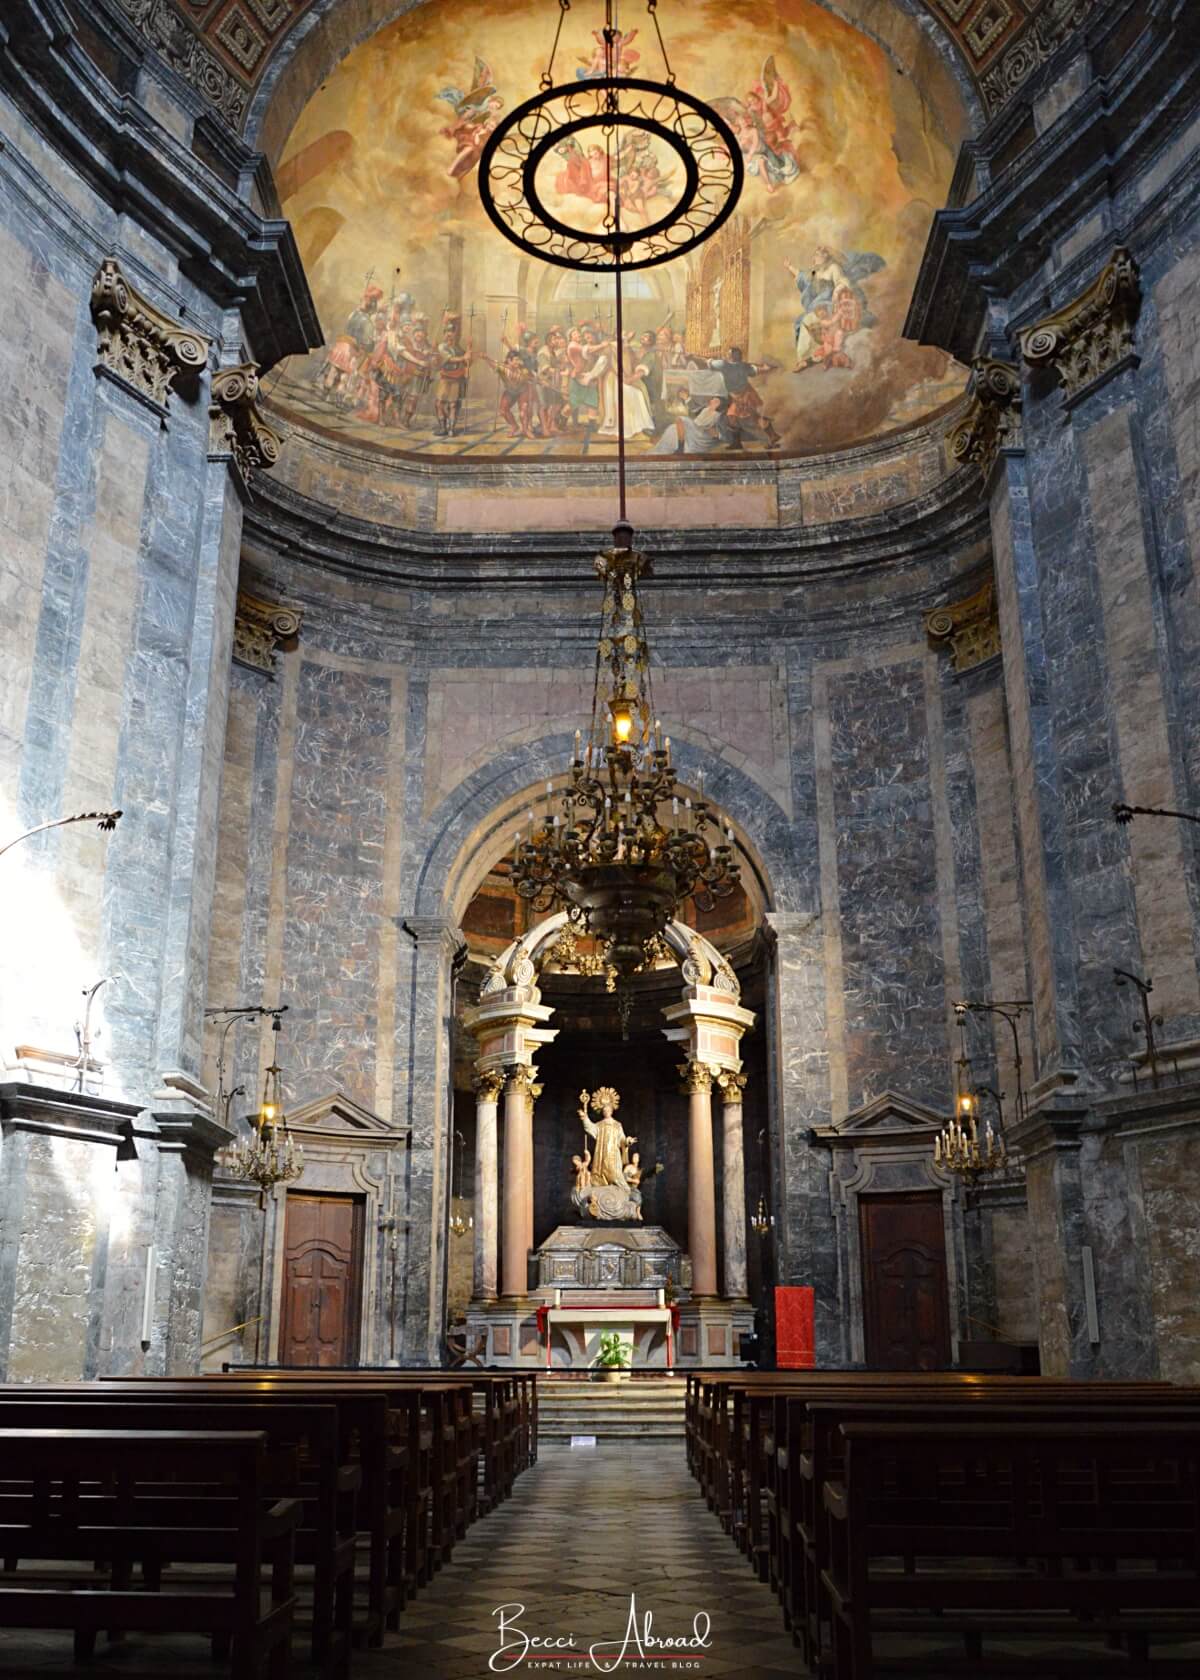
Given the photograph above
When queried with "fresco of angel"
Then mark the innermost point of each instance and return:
(765, 132)
(476, 114)
(593, 69)
(833, 305)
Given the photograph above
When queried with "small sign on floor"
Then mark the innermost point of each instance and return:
(583, 1440)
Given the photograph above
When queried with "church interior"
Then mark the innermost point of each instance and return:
(599, 869)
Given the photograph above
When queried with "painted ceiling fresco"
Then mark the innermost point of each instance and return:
(781, 335)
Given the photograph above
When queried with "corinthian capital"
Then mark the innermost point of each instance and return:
(260, 628)
(524, 1080)
(1093, 335)
(732, 1085)
(138, 345)
(969, 628)
(235, 425)
(695, 1076)
(992, 421)
(489, 1084)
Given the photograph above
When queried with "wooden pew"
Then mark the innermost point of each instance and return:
(369, 1431)
(1120, 1498)
(96, 1496)
(815, 1438)
(305, 1463)
(441, 1446)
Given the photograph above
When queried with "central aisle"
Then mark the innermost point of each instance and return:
(585, 1529)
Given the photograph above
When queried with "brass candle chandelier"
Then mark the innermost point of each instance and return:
(269, 1155)
(621, 845)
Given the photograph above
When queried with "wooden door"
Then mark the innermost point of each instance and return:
(906, 1314)
(322, 1280)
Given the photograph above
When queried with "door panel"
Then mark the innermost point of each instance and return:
(906, 1316)
(322, 1280)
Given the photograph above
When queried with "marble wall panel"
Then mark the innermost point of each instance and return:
(1170, 1171)
(1015, 1301)
(1156, 849)
(333, 900)
(62, 1214)
(891, 938)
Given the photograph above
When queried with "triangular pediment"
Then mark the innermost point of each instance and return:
(889, 1112)
(337, 1115)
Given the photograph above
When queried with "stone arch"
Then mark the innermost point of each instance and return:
(454, 836)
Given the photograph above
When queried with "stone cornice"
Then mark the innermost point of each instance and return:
(236, 257)
(281, 521)
(1116, 126)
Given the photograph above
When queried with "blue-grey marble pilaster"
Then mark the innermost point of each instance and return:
(178, 630)
(423, 1044)
(193, 854)
(1050, 921)
(1051, 1140)
(186, 1148)
(798, 1070)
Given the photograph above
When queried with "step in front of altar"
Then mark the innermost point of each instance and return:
(649, 1408)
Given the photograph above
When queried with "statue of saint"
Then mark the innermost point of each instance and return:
(607, 1178)
(611, 1146)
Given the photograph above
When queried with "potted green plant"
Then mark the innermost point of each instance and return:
(613, 1357)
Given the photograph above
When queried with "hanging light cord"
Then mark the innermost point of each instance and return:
(612, 65)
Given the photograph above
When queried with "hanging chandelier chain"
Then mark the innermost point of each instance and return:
(652, 8)
(546, 80)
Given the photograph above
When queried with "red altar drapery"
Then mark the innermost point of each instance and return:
(795, 1343)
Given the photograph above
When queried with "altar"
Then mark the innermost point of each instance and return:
(634, 1280)
(578, 1318)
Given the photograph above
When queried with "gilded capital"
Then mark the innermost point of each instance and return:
(992, 421)
(524, 1079)
(732, 1085)
(969, 628)
(236, 427)
(260, 628)
(696, 1076)
(139, 345)
(1091, 336)
(488, 1085)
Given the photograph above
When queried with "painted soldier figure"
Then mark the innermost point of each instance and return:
(453, 369)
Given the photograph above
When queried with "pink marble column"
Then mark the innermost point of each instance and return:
(487, 1185)
(517, 1224)
(734, 1206)
(702, 1197)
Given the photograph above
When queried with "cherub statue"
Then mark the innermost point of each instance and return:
(633, 1171)
(582, 1164)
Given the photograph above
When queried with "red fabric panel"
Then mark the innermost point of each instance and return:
(795, 1344)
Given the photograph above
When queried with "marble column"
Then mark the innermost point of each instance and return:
(487, 1185)
(734, 1205)
(702, 1212)
(517, 1228)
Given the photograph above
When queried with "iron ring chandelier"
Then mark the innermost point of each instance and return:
(702, 141)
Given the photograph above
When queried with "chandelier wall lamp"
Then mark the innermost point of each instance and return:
(962, 1146)
(269, 1155)
(621, 846)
